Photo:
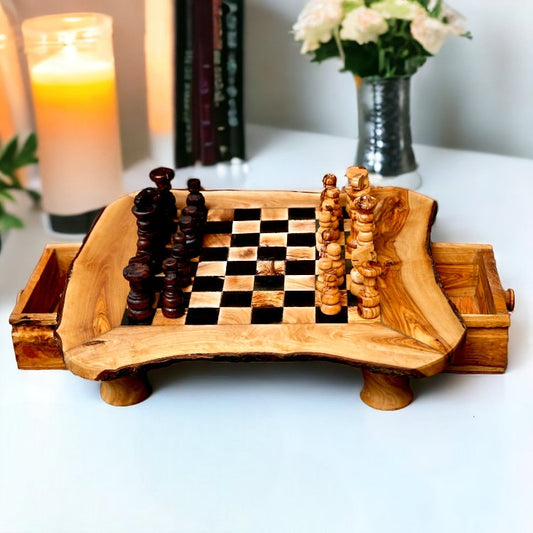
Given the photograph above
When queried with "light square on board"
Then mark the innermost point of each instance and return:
(268, 299)
(243, 253)
(299, 315)
(235, 315)
(274, 213)
(238, 283)
(300, 252)
(205, 299)
(246, 226)
(217, 240)
(299, 283)
(273, 239)
(211, 268)
(302, 226)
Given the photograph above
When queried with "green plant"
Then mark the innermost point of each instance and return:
(11, 159)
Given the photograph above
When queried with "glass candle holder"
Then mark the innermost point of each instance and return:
(72, 75)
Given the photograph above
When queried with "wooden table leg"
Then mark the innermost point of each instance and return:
(386, 392)
(128, 390)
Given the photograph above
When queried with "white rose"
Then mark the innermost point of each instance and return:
(430, 33)
(317, 22)
(455, 21)
(363, 25)
(399, 9)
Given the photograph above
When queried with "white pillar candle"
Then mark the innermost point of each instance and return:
(72, 75)
(159, 60)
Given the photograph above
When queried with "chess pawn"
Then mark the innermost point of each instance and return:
(330, 301)
(358, 257)
(369, 300)
(188, 227)
(328, 181)
(365, 219)
(180, 253)
(196, 198)
(166, 205)
(324, 265)
(140, 297)
(333, 195)
(338, 265)
(172, 301)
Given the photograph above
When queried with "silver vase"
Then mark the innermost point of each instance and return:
(385, 146)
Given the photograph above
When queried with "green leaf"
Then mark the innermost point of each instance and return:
(27, 154)
(6, 195)
(11, 159)
(8, 156)
(8, 221)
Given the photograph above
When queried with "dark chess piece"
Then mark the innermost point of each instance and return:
(172, 301)
(166, 206)
(196, 198)
(140, 297)
(193, 241)
(180, 253)
(144, 209)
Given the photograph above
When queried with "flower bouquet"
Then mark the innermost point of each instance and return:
(377, 38)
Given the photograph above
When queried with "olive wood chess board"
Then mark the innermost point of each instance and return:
(253, 298)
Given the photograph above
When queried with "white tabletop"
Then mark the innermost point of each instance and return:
(283, 447)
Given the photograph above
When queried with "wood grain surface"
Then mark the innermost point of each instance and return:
(416, 336)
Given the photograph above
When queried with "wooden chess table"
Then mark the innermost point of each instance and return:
(442, 305)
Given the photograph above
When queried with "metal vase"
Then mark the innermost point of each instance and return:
(385, 146)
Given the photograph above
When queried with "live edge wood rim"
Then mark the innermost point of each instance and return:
(96, 347)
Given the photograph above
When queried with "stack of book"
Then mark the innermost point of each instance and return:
(209, 81)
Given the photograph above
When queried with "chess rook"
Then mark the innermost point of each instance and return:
(358, 186)
(172, 301)
(369, 300)
(140, 297)
(364, 246)
(196, 198)
(180, 253)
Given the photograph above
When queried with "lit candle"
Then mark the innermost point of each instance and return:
(159, 60)
(72, 77)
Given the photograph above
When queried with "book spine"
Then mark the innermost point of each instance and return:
(220, 107)
(204, 81)
(232, 31)
(183, 93)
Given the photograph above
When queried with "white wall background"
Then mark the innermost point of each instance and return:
(474, 95)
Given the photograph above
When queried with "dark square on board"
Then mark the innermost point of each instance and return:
(299, 299)
(241, 268)
(301, 239)
(267, 315)
(214, 226)
(269, 283)
(202, 315)
(302, 213)
(236, 299)
(247, 214)
(245, 239)
(214, 254)
(208, 284)
(340, 318)
(271, 253)
(274, 226)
